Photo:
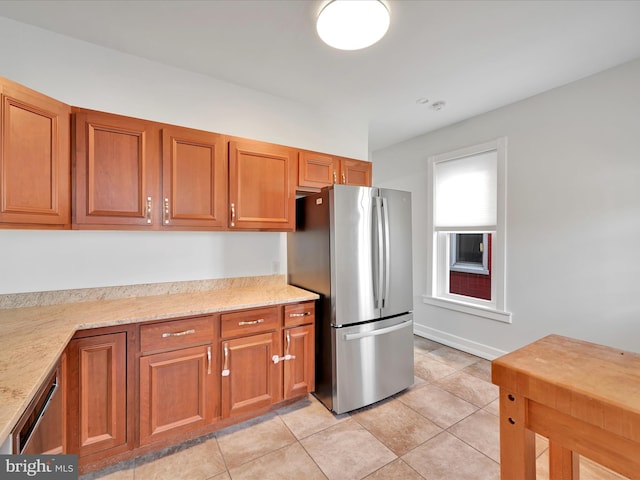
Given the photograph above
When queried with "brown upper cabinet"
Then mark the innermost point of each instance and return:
(116, 170)
(124, 173)
(318, 170)
(194, 178)
(141, 174)
(262, 184)
(34, 159)
(355, 172)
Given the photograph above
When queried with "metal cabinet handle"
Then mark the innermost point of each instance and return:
(305, 314)
(179, 334)
(252, 322)
(287, 343)
(147, 212)
(374, 333)
(343, 178)
(225, 365)
(166, 211)
(287, 356)
(208, 360)
(233, 214)
(335, 177)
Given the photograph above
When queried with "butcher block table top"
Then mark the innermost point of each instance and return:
(33, 338)
(584, 397)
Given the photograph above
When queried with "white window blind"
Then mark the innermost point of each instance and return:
(466, 192)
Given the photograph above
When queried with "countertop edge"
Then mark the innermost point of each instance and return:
(69, 318)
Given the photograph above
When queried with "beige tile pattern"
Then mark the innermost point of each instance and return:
(289, 462)
(195, 460)
(254, 438)
(445, 457)
(396, 470)
(347, 451)
(397, 426)
(470, 388)
(445, 427)
(307, 417)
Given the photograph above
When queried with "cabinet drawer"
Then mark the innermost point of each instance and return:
(249, 322)
(176, 334)
(299, 314)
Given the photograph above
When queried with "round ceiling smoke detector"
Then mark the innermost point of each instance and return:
(352, 24)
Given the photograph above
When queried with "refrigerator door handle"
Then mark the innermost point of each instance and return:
(379, 254)
(374, 333)
(386, 253)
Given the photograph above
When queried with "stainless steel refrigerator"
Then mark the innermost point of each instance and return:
(352, 246)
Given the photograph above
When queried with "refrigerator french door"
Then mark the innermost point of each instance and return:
(352, 246)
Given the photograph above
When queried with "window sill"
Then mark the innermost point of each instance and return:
(468, 308)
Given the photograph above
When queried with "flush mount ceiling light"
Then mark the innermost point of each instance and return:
(352, 24)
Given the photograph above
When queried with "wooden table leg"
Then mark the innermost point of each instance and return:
(563, 463)
(517, 443)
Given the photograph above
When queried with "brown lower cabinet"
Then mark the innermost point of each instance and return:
(251, 370)
(177, 387)
(99, 394)
(132, 389)
(298, 366)
(252, 379)
(299, 349)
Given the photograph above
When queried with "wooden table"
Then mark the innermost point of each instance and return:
(585, 398)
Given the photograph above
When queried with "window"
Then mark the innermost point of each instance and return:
(467, 225)
(470, 253)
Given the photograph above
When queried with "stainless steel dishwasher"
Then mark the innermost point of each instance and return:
(39, 430)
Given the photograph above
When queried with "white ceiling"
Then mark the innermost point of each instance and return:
(475, 55)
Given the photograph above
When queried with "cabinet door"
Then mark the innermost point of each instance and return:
(97, 393)
(355, 172)
(34, 158)
(194, 178)
(262, 181)
(116, 170)
(176, 392)
(299, 361)
(317, 170)
(250, 377)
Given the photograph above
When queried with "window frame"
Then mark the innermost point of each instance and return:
(438, 243)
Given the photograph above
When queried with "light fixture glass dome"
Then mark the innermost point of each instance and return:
(352, 24)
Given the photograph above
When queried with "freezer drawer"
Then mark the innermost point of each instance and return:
(372, 362)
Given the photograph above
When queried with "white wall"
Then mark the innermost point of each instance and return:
(86, 75)
(573, 215)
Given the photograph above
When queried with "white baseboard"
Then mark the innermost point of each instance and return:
(459, 343)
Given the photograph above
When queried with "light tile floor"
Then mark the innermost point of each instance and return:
(445, 427)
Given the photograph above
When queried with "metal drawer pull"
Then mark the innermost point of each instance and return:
(225, 366)
(305, 314)
(179, 334)
(253, 322)
(208, 360)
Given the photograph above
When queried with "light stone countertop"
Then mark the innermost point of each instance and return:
(33, 338)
